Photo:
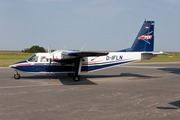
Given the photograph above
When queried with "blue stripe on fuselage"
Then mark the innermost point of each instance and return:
(92, 68)
(42, 67)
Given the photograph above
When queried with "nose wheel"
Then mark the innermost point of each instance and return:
(16, 75)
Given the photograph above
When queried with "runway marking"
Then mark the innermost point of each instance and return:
(74, 83)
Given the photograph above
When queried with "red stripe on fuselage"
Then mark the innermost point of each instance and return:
(94, 61)
(22, 64)
(57, 58)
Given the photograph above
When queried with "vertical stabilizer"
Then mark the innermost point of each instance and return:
(145, 38)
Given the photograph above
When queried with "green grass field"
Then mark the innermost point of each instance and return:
(9, 57)
(170, 57)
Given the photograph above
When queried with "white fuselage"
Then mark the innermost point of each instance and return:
(45, 62)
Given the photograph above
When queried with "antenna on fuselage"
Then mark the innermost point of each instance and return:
(83, 47)
(64, 47)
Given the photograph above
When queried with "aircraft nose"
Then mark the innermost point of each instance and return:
(18, 63)
(11, 66)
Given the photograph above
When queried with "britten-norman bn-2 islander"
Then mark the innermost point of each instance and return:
(75, 62)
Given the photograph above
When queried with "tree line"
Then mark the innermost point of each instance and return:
(34, 49)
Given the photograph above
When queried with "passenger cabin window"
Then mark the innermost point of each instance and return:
(34, 58)
(43, 59)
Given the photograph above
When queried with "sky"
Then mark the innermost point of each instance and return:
(100, 25)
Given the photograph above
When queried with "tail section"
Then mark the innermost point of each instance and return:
(144, 40)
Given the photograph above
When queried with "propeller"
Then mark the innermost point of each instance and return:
(50, 57)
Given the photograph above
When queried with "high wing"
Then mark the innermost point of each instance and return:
(72, 56)
(76, 57)
(84, 54)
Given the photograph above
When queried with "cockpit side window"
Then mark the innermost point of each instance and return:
(34, 58)
(43, 59)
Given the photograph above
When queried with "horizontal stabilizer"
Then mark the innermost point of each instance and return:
(155, 53)
(149, 55)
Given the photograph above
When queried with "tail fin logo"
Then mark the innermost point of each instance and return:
(146, 37)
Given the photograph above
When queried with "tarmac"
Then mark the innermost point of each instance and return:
(137, 91)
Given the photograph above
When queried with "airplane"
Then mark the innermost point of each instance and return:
(74, 62)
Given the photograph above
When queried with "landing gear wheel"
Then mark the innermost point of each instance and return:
(76, 78)
(17, 76)
(70, 74)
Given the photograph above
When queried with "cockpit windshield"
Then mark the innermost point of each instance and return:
(33, 58)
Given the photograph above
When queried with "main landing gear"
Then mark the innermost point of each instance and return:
(16, 75)
(76, 78)
(77, 69)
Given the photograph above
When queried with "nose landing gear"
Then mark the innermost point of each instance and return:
(16, 75)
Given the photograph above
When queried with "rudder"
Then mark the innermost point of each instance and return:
(145, 38)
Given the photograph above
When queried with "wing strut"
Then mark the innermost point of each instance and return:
(78, 65)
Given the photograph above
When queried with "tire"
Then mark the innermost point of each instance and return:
(17, 76)
(76, 78)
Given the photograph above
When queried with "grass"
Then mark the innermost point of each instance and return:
(9, 57)
(170, 57)
(7, 62)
